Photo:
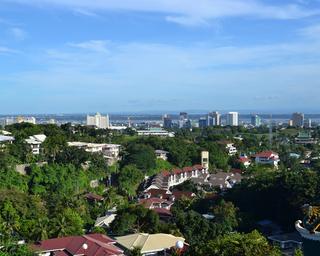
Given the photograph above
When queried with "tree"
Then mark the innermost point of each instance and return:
(129, 179)
(143, 156)
(67, 223)
(135, 218)
(135, 252)
(53, 145)
(235, 244)
(225, 214)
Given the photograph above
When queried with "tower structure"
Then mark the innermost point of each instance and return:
(205, 159)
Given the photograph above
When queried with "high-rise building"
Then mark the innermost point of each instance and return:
(233, 119)
(98, 121)
(298, 119)
(203, 122)
(167, 121)
(184, 121)
(308, 123)
(255, 120)
(216, 118)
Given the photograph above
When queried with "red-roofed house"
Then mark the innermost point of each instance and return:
(245, 161)
(267, 157)
(86, 245)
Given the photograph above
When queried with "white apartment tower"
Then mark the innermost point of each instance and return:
(233, 119)
(98, 121)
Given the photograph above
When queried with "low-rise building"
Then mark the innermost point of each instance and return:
(151, 244)
(162, 154)
(267, 157)
(4, 140)
(229, 147)
(35, 142)
(305, 138)
(111, 152)
(168, 179)
(155, 132)
(88, 245)
(106, 220)
(245, 161)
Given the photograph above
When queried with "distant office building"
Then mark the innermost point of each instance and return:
(20, 119)
(233, 119)
(167, 121)
(184, 121)
(255, 120)
(308, 123)
(298, 119)
(216, 118)
(183, 115)
(203, 122)
(290, 123)
(98, 121)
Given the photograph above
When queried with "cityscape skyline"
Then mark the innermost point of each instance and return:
(87, 56)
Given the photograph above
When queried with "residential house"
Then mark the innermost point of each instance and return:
(168, 179)
(267, 157)
(111, 152)
(245, 161)
(4, 140)
(151, 244)
(106, 220)
(229, 147)
(86, 245)
(162, 154)
(35, 142)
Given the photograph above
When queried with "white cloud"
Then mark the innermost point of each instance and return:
(86, 13)
(4, 50)
(18, 33)
(187, 21)
(312, 32)
(92, 45)
(188, 11)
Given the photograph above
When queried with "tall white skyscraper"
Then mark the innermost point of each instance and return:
(99, 121)
(216, 118)
(233, 119)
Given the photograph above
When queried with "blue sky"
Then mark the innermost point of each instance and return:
(71, 56)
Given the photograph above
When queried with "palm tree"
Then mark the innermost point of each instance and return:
(41, 229)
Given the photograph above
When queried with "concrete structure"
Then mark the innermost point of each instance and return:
(305, 138)
(106, 220)
(167, 121)
(221, 180)
(167, 179)
(298, 119)
(4, 140)
(229, 147)
(216, 118)
(99, 121)
(255, 120)
(205, 159)
(155, 132)
(267, 157)
(111, 152)
(184, 121)
(161, 154)
(233, 119)
(86, 245)
(150, 244)
(35, 142)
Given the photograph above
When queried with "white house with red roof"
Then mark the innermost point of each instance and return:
(88, 245)
(245, 161)
(267, 157)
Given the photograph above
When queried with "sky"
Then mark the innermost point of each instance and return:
(81, 56)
